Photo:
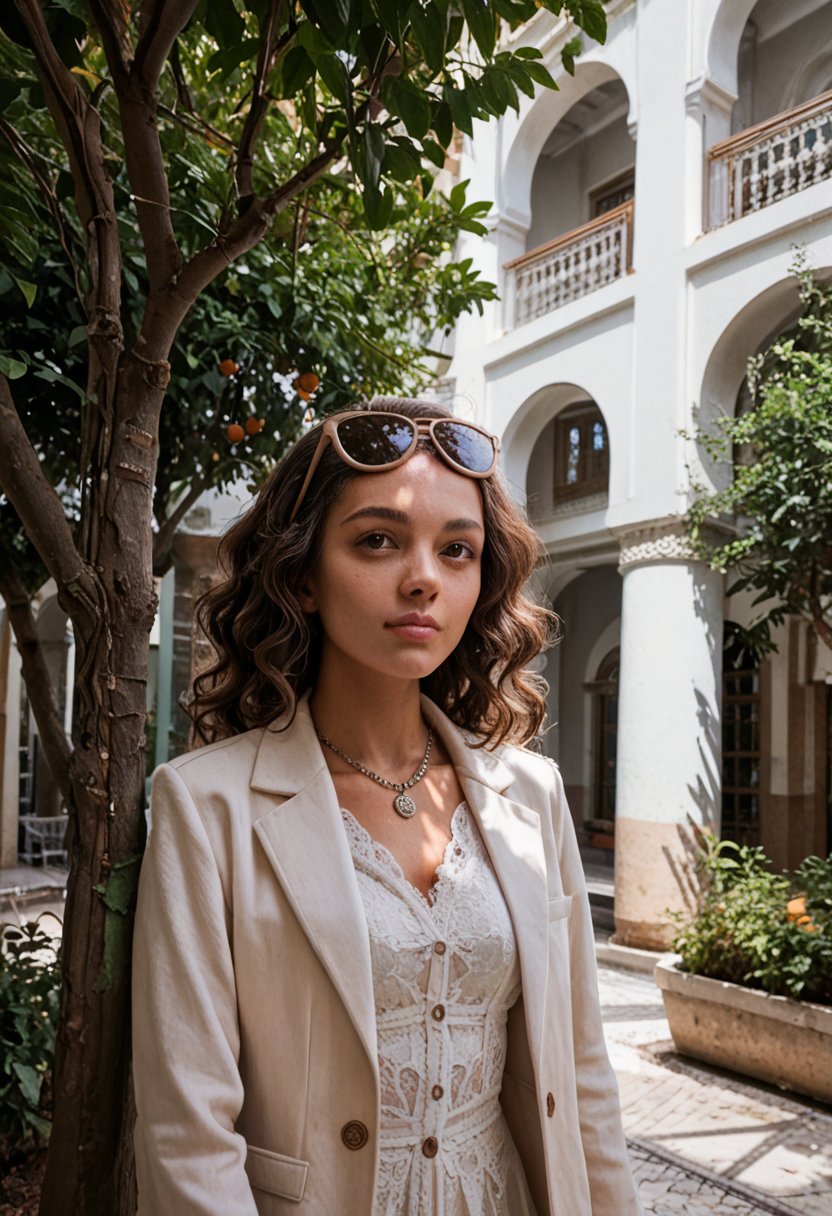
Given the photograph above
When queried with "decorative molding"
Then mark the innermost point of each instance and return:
(639, 548)
(704, 93)
(580, 506)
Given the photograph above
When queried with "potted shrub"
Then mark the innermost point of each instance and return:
(751, 985)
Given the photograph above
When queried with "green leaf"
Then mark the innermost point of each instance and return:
(378, 207)
(482, 22)
(29, 290)
(541, 75)
(223, 22)
(12, 369)
(589, 15)
(427, 26)
(329, 66)
(434, 152)
(332, 16)
(294, 71)
(29, 1080)
(570, 53)
(409, 103)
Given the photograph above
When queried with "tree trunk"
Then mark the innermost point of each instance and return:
(89, 1166)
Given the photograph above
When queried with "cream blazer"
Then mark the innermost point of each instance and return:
(254, 1035)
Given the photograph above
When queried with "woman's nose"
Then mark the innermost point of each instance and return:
(421, 578)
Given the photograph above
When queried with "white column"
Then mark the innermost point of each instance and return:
(9, 743)
(669, 730)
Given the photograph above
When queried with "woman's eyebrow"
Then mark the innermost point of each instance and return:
(401, 517)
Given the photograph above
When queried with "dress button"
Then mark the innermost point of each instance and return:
(437, 1013)
(550, 1105)
(430, 1147)
(437, 1092)
(439, 947)
(354, 1134)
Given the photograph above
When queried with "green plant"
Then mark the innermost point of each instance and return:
(758, 927)
(30, 979)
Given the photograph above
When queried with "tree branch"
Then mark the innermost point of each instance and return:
(79, 127)
(162, 21)
(258, 107)
(110, 18)
(24, 483)
(39, 687)
(28, 158)
(163, 538)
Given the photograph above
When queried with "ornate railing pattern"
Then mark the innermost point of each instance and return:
(572, 265)
(770, 161)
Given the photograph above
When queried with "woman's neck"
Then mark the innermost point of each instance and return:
(375, 721)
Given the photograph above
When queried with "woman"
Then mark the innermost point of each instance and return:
(364, 975)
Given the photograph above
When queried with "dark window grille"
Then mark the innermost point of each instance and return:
(607, 739)
(740, 744)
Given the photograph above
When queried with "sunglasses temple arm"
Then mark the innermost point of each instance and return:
(310, 473)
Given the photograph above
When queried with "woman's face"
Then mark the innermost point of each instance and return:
(399, 570)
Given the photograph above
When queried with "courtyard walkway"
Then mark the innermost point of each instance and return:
(702, 1141)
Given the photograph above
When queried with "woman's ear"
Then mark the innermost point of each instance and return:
(307, 595)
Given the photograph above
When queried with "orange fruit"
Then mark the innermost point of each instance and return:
(796, 907)
(228, 367)
(235, 432)
(303, 395)
(308, 382)
(254, 425)
(215, 455)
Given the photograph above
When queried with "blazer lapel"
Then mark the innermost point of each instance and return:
(305, 843)
(512, 836)
(307, 847)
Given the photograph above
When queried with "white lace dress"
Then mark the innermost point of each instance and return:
(445, 974)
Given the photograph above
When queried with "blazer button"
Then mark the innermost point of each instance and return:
(439, 947)
(354, 1134)
(550, 1105)
(437, 1013)
(437, 1092)
(430, 1147)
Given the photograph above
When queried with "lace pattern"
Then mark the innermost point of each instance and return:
(445, 974)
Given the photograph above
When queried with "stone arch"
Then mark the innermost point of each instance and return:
(813, 78)
(528, 423)
(723, 42)
(543, 115)
(752, 328)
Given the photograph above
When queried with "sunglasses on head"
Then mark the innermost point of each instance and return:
(375, 441)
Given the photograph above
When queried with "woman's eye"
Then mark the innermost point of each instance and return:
(374, 540)
(458, 548)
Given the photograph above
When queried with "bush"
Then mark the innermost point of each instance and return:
(760, 928)
(30, 980)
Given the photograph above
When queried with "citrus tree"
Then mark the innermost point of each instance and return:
(172, 146)
(779, 498)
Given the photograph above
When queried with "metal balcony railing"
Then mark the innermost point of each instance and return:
(571, 266)
(768, 162)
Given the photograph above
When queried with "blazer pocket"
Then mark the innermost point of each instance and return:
(560, 907)
(279, 1175)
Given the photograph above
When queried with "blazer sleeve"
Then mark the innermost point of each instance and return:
(186, 1043)
(611, 1184)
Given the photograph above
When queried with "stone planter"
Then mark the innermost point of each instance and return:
(774, 1038)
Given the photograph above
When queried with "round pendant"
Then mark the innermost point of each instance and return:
(404, 805)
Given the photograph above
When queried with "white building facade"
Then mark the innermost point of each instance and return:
(645, 218)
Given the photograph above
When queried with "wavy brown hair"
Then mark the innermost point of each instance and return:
(267, 649)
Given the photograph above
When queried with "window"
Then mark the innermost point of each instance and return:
(612, 194)
(581, 453)
(740, 743)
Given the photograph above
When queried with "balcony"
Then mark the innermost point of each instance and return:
(770, 161)
(571, 266)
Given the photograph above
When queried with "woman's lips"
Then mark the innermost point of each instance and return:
(414, 633)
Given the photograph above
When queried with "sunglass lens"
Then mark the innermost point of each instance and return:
(469, 448)
(373, 440)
